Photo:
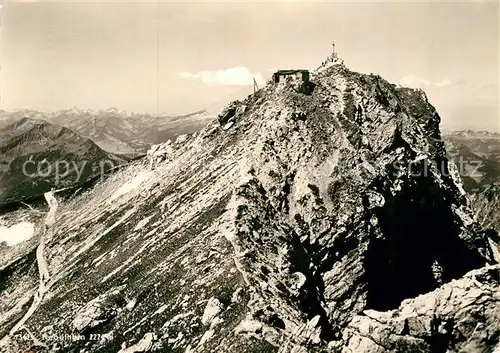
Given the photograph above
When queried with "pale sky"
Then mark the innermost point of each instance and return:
(181, 57)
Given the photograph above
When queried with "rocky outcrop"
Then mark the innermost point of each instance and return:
(280, 232)
(166, 151)
(144, 345)
(99, 311)
(460, 316)
(159, 153)
(231, 112)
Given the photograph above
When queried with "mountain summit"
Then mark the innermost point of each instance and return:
(323, 222)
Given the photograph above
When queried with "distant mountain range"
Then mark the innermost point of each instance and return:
(118, 131)
(470, 134)
(36, 155)
(40, 150)
(477, 154)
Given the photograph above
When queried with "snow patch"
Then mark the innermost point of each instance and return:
(142, 223)
(17, 233)
(248, 326)
(129, 186)
(160, 310)
(206, 336)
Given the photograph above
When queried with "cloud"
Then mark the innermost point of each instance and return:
(235, 76)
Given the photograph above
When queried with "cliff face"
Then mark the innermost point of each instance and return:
(285, 230)
(487, 206)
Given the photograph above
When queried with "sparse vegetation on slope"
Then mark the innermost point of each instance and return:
(303, 223)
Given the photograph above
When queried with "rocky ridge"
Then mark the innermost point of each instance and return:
(305, 223)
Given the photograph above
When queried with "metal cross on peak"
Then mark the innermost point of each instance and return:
(334, 53)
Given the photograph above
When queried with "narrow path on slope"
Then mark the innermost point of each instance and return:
(43, 269)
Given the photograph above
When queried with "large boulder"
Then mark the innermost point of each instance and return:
(231, 112)
(162, 152)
